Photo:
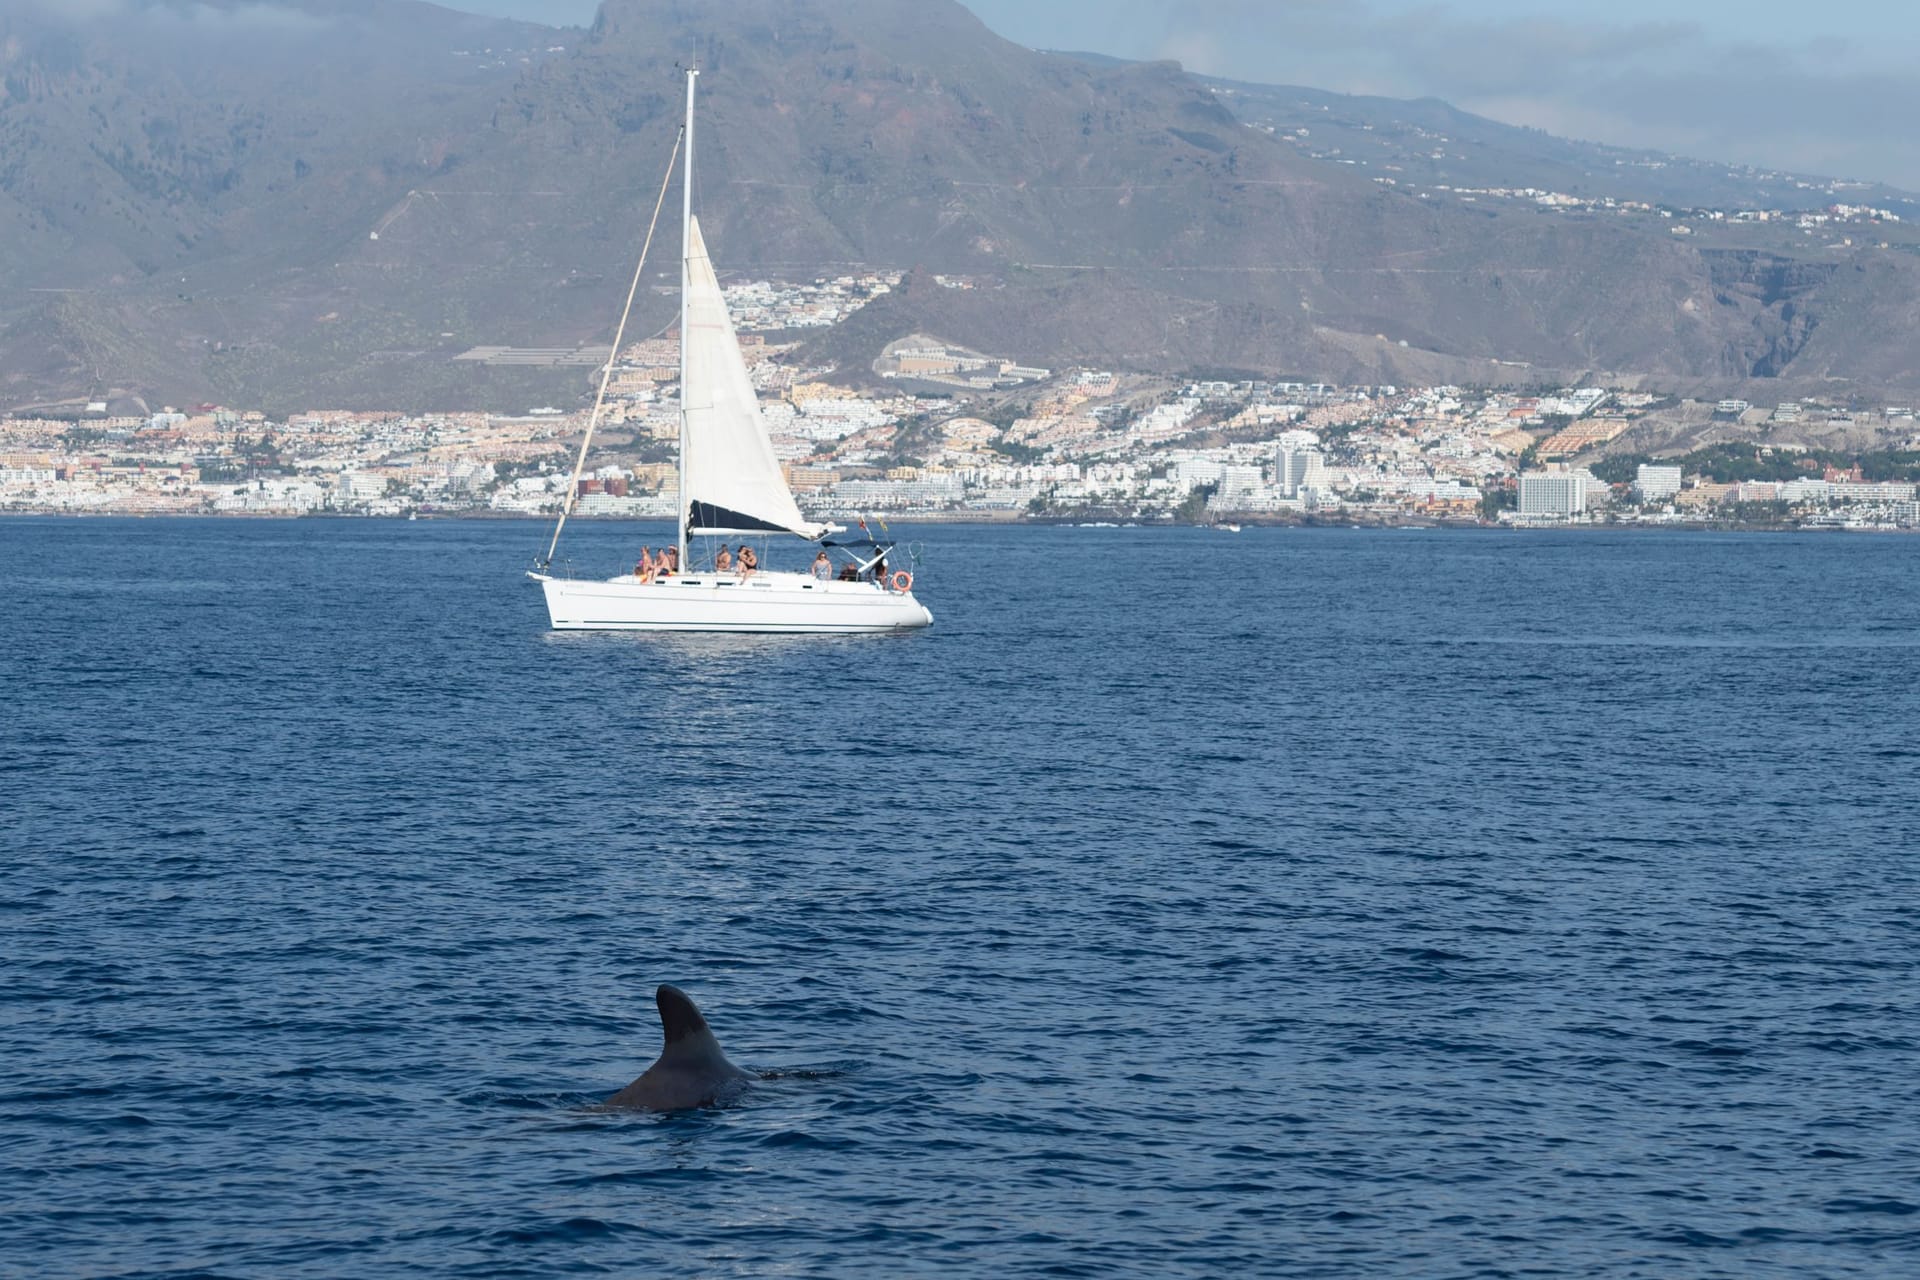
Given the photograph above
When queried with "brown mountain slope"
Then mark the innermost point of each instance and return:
(344, 244)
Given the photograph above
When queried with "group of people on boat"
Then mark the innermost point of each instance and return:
(651, 568)
(822, 570)
(744, 562)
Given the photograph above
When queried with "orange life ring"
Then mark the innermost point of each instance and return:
(901, 581)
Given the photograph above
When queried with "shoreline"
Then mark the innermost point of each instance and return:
(1012, 519)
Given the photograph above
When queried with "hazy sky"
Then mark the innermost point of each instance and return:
(1830, 87)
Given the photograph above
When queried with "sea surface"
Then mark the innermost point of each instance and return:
(1293, 903)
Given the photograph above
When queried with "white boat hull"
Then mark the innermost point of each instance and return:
(766, 602)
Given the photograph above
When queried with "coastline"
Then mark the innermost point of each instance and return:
(998, 519)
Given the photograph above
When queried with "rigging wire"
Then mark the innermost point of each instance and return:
(619, 334)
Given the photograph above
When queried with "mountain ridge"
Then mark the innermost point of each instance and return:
(1689, 180)
(341, 246)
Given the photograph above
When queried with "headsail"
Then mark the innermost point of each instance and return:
(730, 479)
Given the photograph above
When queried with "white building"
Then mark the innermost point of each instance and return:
(1870, 491)
(1807, 489)
(1656, 483)
(1239, 486)
(359, 486)
(1190, 473)
(1297, 469)
(632, 505)
(1553, 493)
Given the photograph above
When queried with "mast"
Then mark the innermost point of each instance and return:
(686, 240)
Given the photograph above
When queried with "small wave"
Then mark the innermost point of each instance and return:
(824, 1071)
(1694, 1236)
(57, 1095)
(567, 1231)
(638, 1177)
(1889, 1206)
(797, 1138)
(1710, 1049)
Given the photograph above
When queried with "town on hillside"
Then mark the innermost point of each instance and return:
(933, 430)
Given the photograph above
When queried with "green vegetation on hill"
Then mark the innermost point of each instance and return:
(1022, 454)
(1194, 509)
(1743, 460)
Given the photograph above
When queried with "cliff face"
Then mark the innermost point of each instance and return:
(305, 201)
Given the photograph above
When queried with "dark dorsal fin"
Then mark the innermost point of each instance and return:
(679, 1017)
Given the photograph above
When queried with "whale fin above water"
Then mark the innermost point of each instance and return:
(679, 1015)
(691, 1070)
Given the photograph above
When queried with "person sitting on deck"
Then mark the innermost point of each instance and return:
(749, 562)
(822, 567)
(849, 572)
(722, 560)
(645, 568)
(669, 561)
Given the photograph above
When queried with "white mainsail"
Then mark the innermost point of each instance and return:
(730, 480)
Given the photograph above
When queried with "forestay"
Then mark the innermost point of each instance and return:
(731, 479)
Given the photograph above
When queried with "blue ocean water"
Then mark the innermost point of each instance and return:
(1296, 903)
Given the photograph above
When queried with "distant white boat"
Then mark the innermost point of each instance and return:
(730, 485)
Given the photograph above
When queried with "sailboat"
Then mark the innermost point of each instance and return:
(730, 485)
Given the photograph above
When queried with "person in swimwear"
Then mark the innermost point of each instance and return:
(749, 562)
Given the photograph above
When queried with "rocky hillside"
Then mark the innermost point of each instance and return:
(299, 202)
